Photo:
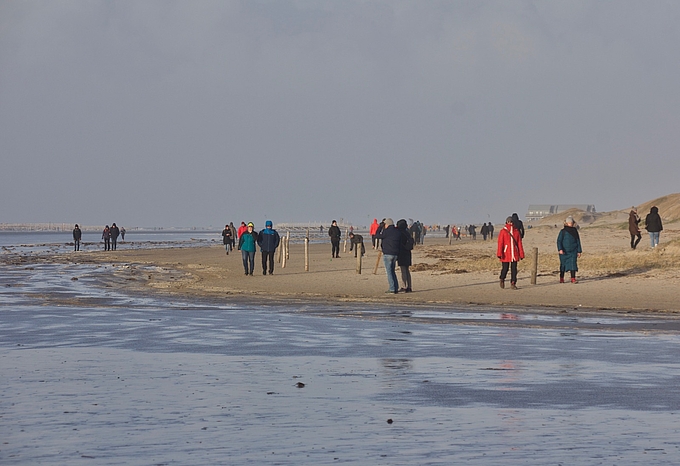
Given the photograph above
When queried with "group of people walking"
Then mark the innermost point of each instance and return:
(653, 225)
(109, 235)
(248, 239)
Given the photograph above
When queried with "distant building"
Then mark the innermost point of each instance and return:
(538, 211)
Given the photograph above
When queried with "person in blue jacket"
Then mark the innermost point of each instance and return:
(247, 243)
(569, 248)
(268, 240)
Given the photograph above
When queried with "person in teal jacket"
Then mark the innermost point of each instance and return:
(569, 247)
(247, 243)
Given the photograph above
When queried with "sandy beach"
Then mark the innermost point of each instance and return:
(612, 277)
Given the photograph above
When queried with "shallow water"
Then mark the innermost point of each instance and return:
(110, 378)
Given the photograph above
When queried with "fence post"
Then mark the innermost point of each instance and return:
(450, 234)
(534, 266)
(307, 252)
(377, 262)
(357, 250)
(344, 244)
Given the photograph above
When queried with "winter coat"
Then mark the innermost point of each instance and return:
(248, 241)
(242, 229)
(484, 230)
(334, 233)
(106, 234)
(653, 221)
(633, 220)
(391, 240)
(405, 247)
(519, 226)
(226, 236)
(115, 232)
(268, 240)
(510, 248)
(569, 241)
(374, 227)
(77, 234)
(358, 242)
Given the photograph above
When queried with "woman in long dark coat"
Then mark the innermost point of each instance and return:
(404, 256)
(569, 247)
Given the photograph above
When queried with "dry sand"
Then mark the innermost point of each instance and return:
(612, 277)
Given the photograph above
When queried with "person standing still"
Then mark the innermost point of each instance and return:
(122, 233)
(334, 233)
(268, 240)
(390, 242)
(114, 236)
(373, 230)
(653, 225)
(569, 248)
(634, 228)
(490, 230)
(106, 236)
(404, 256)
(510, 251)
(247, 243)
(77, 234)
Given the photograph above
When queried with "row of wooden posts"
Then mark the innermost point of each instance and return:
(284, 255)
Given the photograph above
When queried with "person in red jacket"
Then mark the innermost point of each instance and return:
(510, 251)
(373, 230)
(241, 229)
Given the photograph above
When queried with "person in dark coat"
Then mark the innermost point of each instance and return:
(634, 228)
(77, 234)
(390, 241)
(106, 236)
(268, 240)
(484, 231)
(404, 256)
(519, 225)
(653, 225)
(569, 248)
(226, 238)
(473, 231)
(490, 230)
(115, 232)
(356, 243)
(334, 233)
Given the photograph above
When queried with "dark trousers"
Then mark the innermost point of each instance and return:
(267, 255)
(513, 271)
(336, 247)
(248, 261)
(76, 245)
(633, 242)
(356, 248)
(114, 241)
(107, 244)
(573, 273)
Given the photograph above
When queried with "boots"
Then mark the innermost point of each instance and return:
(502, 283)
(573, 280)
(513, 285)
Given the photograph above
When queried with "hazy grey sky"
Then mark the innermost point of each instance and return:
(183, 113)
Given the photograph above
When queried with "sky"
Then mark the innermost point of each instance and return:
(197, 113)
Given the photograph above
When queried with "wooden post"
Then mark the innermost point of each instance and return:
(377, 262)
(284, 254)
(281, 246)
(344, 244)
(307, 252)
(357, 249)
(288, 244)
(450, 234)
(534, 266)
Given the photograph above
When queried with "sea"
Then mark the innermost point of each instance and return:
(95, 374)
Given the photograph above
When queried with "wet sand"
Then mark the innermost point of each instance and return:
(610, 280)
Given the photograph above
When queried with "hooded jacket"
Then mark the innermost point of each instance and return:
(510, 247)
(391, 240)
(268, 240)
(374, 227)
(653, 221)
